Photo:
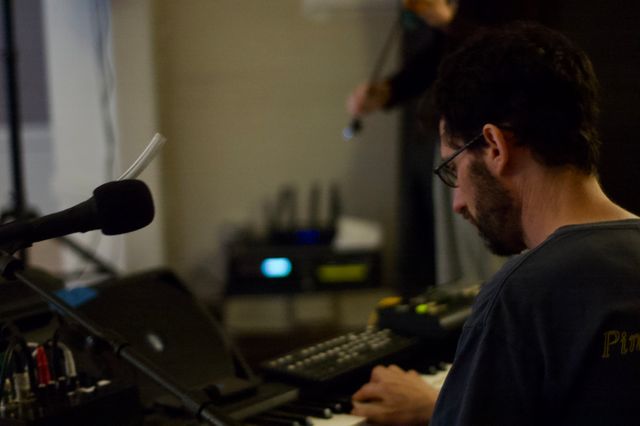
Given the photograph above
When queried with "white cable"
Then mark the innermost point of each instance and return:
(145, 158)
(69, 360)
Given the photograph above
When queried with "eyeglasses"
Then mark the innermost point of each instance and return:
(448, 174)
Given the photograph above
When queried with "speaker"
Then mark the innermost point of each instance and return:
(155, 313)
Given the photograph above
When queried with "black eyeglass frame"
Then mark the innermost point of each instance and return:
(446, 174)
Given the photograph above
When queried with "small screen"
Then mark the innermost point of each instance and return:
(276, 267)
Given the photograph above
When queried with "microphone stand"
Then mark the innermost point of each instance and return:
(12, 269)
(19, 210)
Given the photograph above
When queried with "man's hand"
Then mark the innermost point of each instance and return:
(367, 98)
(395, 396)
(436, 13)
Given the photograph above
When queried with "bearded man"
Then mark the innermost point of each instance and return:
(554, 336)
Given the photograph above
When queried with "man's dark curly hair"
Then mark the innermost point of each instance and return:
(531, 80)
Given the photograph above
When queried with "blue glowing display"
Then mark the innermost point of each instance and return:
(276, 267)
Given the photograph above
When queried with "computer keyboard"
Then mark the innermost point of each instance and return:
(328, 360)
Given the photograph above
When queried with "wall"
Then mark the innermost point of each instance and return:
(80, 113)
(609, 35)
(251, 97)
(136, 99)
(102, 113)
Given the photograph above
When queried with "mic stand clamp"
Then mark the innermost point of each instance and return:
(13, 269)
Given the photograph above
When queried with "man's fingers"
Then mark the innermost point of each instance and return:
(378, 373)
(381, 373)
(414, 373)
(373, 412)
(368, 392)
(395, 368)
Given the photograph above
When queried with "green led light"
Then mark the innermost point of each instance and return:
(422, 308)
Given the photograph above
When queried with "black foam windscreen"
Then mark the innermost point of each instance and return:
(123, 206)
(117, 207)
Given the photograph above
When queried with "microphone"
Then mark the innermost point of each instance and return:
(115, 208)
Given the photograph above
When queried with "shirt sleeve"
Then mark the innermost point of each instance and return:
(420, 71)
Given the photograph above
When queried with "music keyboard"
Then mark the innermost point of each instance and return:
(330, 411)
(326, 374)
(337, 358)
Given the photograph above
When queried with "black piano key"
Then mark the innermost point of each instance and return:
(337, 403)
(267, 420)
(302, 419)
(345, 403)
(309, 410)
(332, 405)
(442, 365)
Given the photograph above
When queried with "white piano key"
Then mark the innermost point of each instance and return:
(437, 380)
(340, 420)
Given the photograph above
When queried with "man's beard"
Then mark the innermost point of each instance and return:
(497, 217)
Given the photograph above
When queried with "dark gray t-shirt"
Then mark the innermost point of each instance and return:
(554, 337)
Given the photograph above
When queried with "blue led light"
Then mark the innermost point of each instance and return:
(276, 267)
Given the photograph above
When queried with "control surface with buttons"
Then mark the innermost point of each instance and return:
(330, 359)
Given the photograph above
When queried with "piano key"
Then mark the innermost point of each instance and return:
(341, 420)
(437, 379)
(335, 420)
(308, 410)
(268, 420)
(303, 420)
(334, 406)
(344, 402)
(332, 410)
(337, 404)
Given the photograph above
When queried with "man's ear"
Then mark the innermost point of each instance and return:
(499, 150)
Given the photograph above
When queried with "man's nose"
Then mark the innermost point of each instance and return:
(458, 203)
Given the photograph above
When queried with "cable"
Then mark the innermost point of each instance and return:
(44, 370)
(144, 158)
(23, 372)
(69, 361)
(6, 359)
